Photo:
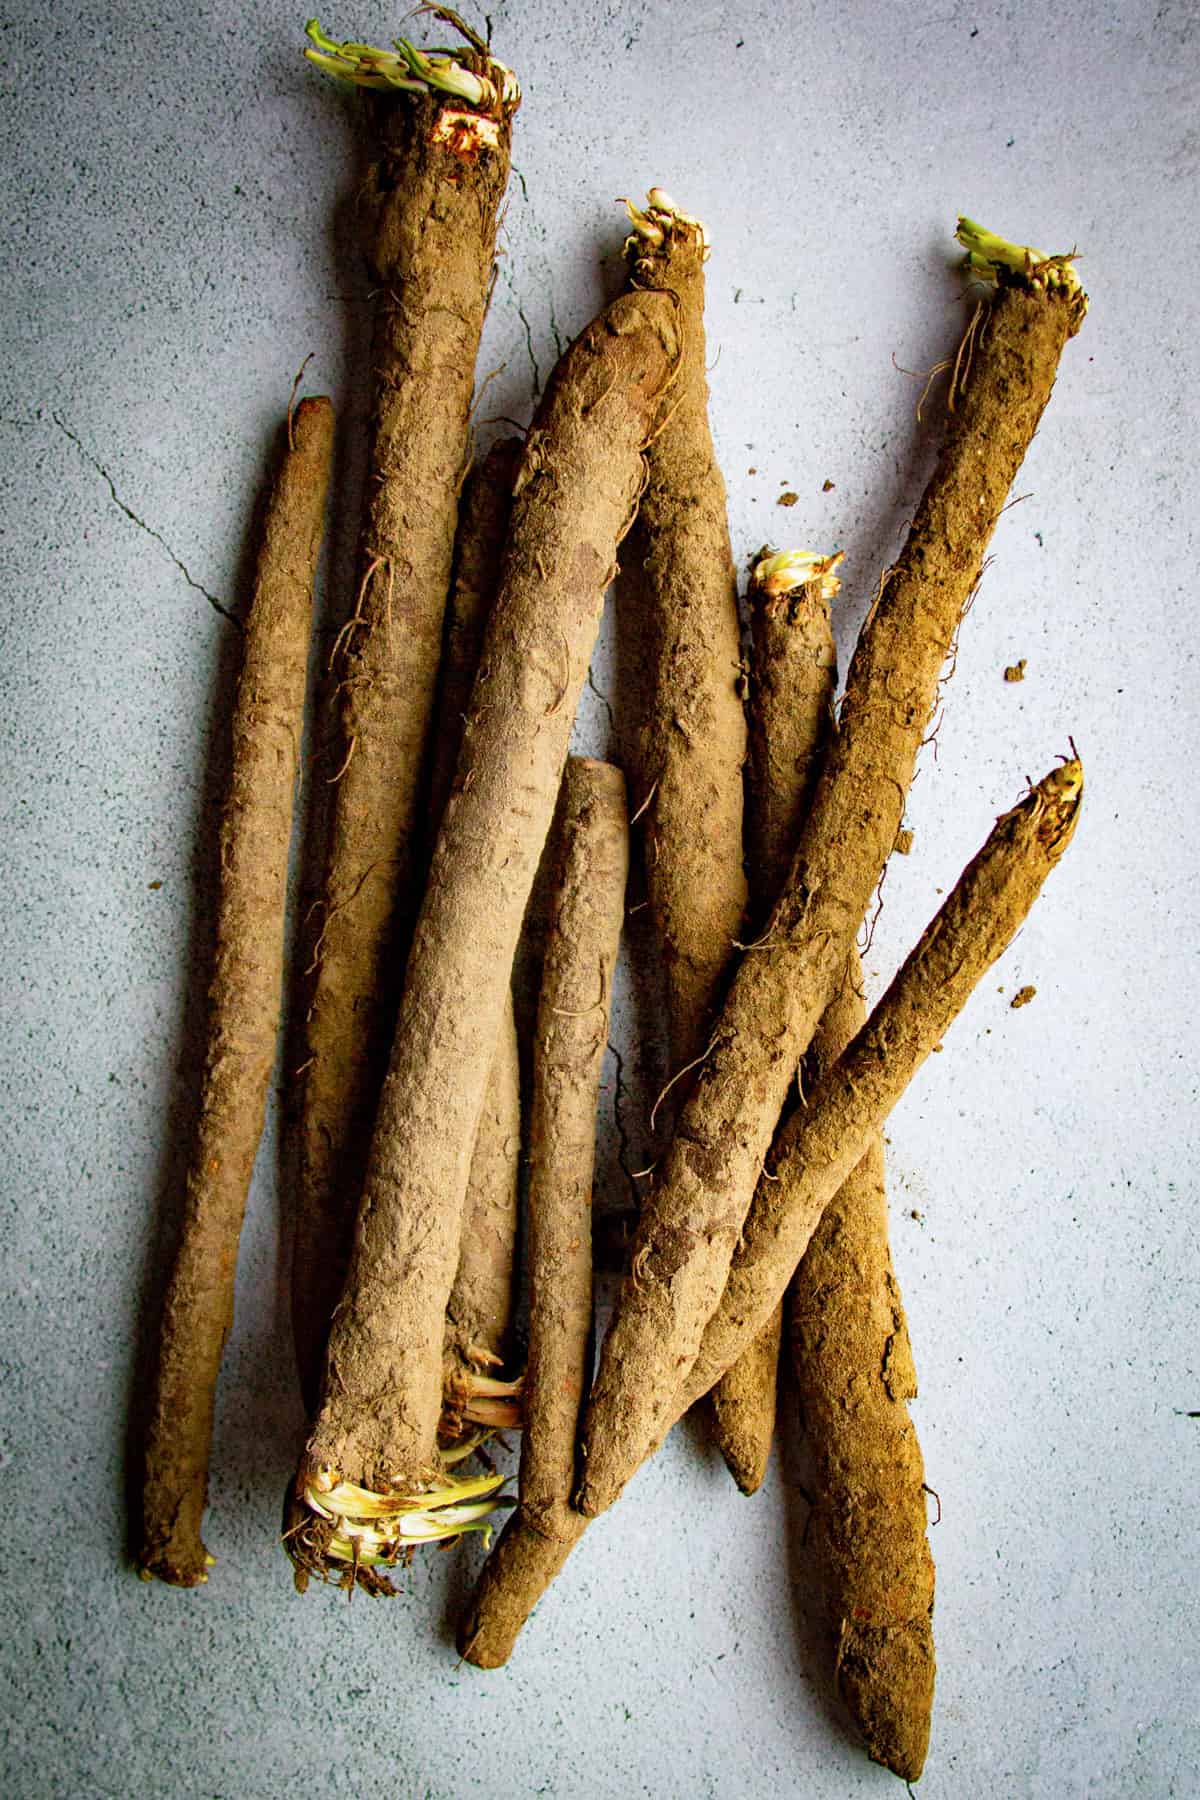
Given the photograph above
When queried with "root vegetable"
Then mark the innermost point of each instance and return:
(825, 1140)
(575, 493)
(855, 1371)
(793, 674)
(694, 1214)
(572, 1036)
(428, 213)
(693, 744)
(479, 1313)
(572, 1033)
(849, 1337)
(244, 1004)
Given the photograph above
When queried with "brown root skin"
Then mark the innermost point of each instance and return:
(575, 493)
(694, 1214)
(480, 1308)
(429, 231)
(479, 1312)
(244, 1004)
(514, 1578)
(793, 677)
(743, 1407)
(793, 674)
(849, 1337)
(693, 743)
(823, 1143)
(578, 965)
(855, 1373)
(885, 1676)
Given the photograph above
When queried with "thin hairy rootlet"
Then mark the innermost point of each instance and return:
(428, 218)
(244, 1003)
(789, 704)
(575, 494)
(583, 933)
(827, 1139)
(479, 1312)
(681, 578)
(693, 1216)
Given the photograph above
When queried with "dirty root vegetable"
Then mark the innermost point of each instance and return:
(693, 743)
(583, 933)
(793, 673)
(244, 1003)
(427, 214)
(825, 1140)
(373, 1450)
(849, 1337)
(693, 1217)
(479, 1313)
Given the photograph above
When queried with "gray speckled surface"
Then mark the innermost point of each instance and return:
(174, 180)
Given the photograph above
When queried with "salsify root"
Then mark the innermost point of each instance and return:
(692, 745)
(849, 1337)
(428, 217)
(479, 1312)
(825, 1140)
(694, 1213)
(792, 676)
(244, 1003)
(583, 933)
(575, 493)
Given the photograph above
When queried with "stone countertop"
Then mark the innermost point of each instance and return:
(179, 193)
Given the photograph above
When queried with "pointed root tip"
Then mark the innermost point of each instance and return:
(885, 1676)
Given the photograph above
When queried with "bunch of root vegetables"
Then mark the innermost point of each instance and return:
(764, 819)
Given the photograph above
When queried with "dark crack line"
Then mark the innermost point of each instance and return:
(521, 179)
(533, 362)
(558, 343)
(107, 479)
(620, 1095)
(603, 699)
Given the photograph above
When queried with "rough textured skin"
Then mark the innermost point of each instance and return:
(743, 1407)
(792, 680)
(575, 493)
(693, 743)
(583, 933)
(793, 674)
(479, 1313)
(823, 1142)
(244, 1003)
(694, 1215)
(514, 1578)
(429, 228)
(855, 1371)
(849, 1338)
(572, 1035)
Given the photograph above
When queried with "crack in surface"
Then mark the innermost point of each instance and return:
(603, 699)
(107, 479)
(620, 1095)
